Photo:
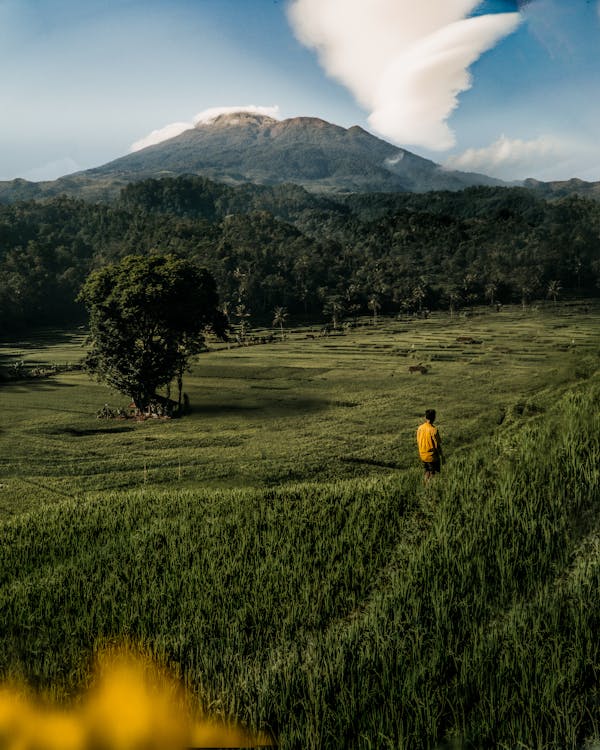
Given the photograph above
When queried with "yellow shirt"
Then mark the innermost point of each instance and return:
(429, 442)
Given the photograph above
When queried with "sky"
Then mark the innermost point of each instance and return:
(510, 88)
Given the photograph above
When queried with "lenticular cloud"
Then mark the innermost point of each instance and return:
(211, 114)
(162, 134)
(405, 62)
(206, 116)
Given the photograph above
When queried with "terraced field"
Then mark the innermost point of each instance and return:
(308, 407)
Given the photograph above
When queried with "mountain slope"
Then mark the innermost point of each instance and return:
(305, 150)
(243, 147)
(564, 188)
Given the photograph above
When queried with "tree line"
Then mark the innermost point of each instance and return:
(317, 257)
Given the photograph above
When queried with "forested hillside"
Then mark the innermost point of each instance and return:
(315, 256)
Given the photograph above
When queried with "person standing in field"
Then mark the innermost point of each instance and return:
(429, 443)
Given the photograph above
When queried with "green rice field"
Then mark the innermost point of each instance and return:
(302, 409)
(278, 550)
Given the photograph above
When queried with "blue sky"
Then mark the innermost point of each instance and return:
(503, 87)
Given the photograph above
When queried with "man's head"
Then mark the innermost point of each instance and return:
(430, 415)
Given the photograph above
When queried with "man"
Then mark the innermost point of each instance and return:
(430, 445)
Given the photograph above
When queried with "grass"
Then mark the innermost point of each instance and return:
(364, 611)
(351, 606)
(303, 409)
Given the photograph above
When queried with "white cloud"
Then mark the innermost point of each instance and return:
(52, 170)
(206, 116)
(209, 115)
(405, 62)
(162, 134)
(515, 158)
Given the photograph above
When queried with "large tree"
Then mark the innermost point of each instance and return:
(148, 316)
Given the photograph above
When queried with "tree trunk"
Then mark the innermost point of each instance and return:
(179, 389)
(141, 400)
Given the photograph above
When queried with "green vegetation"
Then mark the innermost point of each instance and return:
(341, 612)
(376, 254)
(278, 548)
(309, 407)
(148, 316)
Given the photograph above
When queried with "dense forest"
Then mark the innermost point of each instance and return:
(325, 258)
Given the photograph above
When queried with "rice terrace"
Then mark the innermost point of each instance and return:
(311, 407)
(277, 549)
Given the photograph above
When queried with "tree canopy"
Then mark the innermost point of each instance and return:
(148, 316)
(280, 246)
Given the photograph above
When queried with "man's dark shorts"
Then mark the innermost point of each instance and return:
(433, 467)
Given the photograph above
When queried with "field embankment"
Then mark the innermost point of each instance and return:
(369, 612)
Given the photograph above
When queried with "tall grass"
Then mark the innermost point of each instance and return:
(372, 613)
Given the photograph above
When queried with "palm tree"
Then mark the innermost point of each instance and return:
(577, 266)
(554, 289)
(525, 289)
(333, 306)
(226, 310)
(336, 309)
(406, 304)
(418, 295)
(242, 314)
(454, 296)
(279, 317)
(490, 292)
(243, 283)
(375, 305)
(527, 283)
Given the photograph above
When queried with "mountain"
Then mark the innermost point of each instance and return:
(563, 188)
(243, 147)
